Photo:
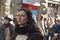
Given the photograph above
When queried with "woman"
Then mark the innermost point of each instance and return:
(25, 28)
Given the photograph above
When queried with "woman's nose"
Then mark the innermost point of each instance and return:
(19, 17)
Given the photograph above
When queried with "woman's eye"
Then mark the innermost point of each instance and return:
(23, 15)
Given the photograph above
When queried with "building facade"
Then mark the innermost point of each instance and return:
(12, 7)
(15, 5)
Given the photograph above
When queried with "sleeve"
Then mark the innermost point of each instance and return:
(2, 33)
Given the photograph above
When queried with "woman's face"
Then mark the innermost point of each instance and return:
(22, 18)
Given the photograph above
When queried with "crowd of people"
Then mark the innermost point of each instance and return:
(50, 26)
(27, 28)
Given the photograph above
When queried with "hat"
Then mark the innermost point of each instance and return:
(7, 18)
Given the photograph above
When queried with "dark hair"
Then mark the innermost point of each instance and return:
(6, 17)
(31, 23)
(28, 13)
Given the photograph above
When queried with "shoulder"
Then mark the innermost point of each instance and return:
(2, 27)
(35, 36)
(11, 27)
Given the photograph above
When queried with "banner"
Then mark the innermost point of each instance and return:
(32, 2)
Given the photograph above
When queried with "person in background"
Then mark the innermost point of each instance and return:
(26, 28)
(6, 30)
(55, 30)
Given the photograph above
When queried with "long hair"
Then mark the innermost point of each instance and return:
(31, 23)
